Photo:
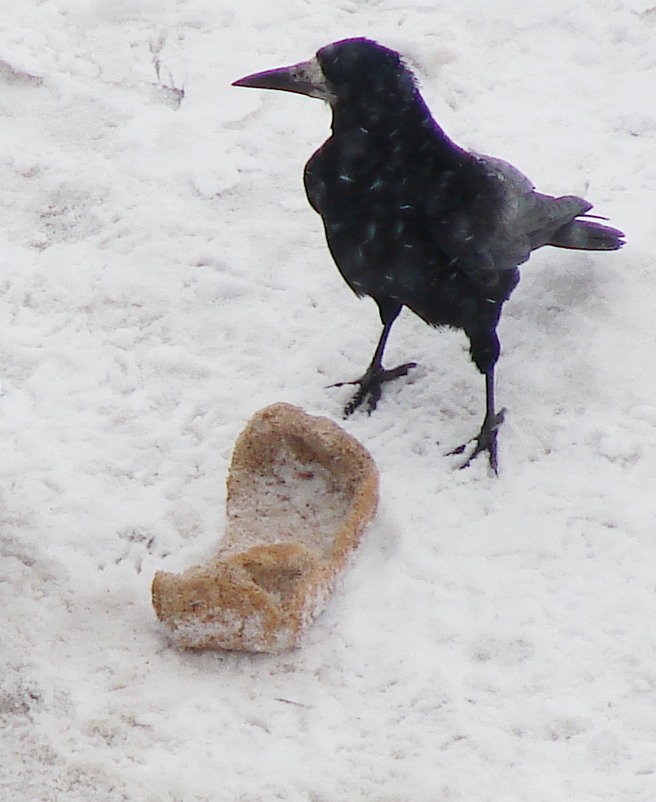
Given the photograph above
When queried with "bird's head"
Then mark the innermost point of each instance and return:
(351, 71)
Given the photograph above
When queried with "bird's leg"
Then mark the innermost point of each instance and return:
(486, 439)
(370, 383)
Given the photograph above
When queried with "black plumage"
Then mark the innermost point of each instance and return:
(411, 219)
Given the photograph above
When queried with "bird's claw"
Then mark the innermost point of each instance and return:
(371, 391)
(486, 440)
(370, 388)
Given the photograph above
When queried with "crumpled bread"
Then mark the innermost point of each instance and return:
(301, 492)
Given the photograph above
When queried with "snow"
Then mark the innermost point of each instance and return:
(164, 277)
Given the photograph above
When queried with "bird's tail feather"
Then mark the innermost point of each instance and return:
(586, 235)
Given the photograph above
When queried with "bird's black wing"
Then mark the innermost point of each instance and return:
(493, 218)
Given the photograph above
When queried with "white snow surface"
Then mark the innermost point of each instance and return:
(163, 277)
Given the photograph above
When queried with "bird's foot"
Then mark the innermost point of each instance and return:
(486, 440)
(370, 388)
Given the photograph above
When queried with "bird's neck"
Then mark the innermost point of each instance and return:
(405, 124)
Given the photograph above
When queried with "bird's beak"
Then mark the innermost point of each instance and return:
(305, 78)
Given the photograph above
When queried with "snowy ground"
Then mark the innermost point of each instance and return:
(163, 278)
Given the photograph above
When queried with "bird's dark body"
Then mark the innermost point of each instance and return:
(411, 219)
(387, 240)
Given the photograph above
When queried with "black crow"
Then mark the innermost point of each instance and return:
(411, 219)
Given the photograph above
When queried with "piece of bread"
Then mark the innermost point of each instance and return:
(301, 492)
